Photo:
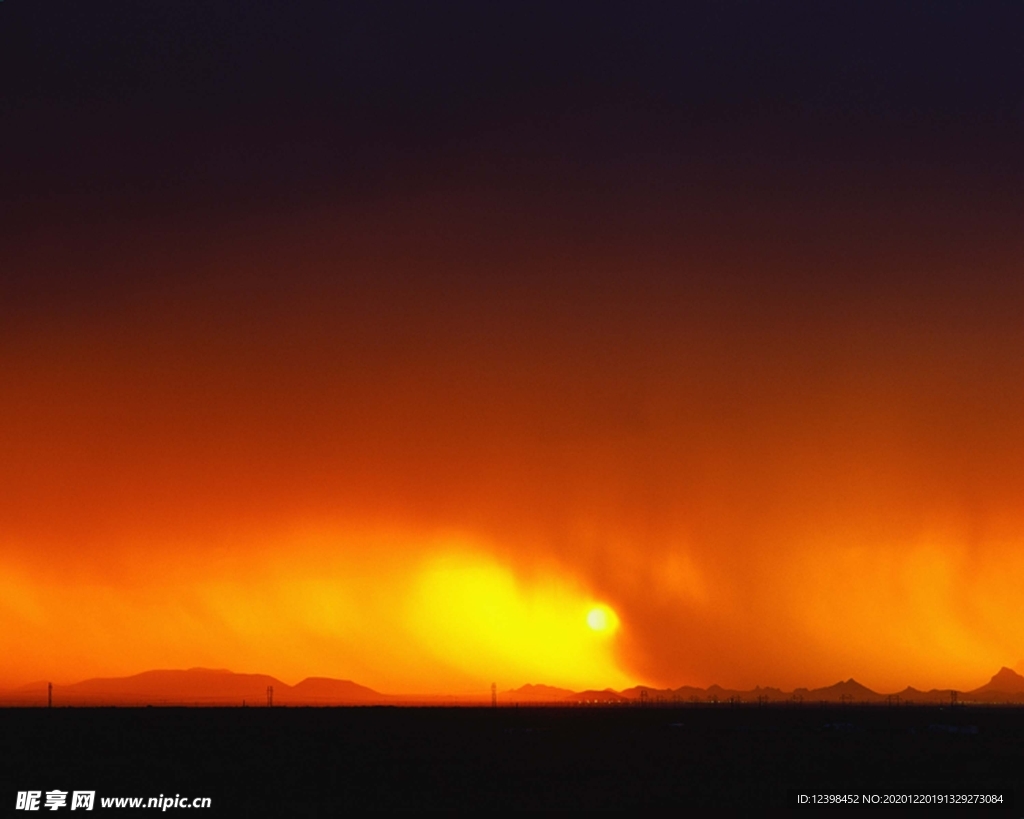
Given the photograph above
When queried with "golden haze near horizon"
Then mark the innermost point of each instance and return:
(292, 455)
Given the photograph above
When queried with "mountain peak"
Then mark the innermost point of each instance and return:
(1007, 680)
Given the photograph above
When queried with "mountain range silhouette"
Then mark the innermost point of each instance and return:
(197, 686)
(204, 686)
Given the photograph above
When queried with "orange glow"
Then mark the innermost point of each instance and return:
(429, 484)
(476, 616)
(449, 618)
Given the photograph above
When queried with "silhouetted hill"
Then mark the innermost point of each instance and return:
(535, 693)
(194, 686)
(204, 686)
(1006, 685)
(653, 694)
(324, 691)
(844, 691)
(934, 696)
(33, 693)
(1005, 681)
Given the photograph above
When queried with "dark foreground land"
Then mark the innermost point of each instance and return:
(326, 761)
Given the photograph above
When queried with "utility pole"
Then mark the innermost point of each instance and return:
(270, 696)
(49, 695)
(494, 695)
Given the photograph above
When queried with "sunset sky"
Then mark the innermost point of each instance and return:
(390, 342)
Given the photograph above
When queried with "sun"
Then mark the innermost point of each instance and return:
(602, 618)
(477, 616)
